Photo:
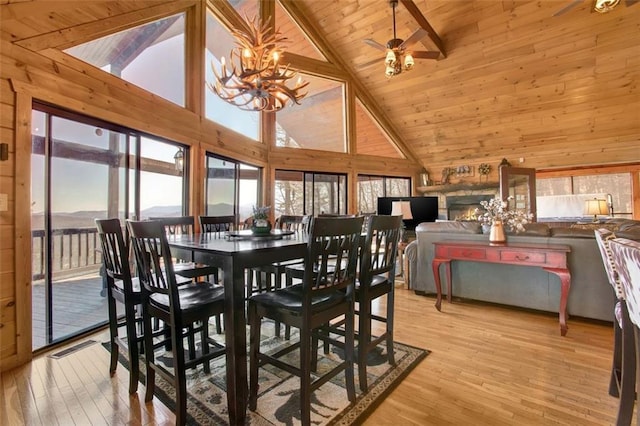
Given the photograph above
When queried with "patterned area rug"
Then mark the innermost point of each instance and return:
(278, 399)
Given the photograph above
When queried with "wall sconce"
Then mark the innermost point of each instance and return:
(179, 160)
(4, 151)
(424, 178)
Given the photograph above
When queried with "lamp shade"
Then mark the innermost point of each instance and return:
(595, 207)
(402, 208)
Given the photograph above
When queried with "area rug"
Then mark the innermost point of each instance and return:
(278, 398)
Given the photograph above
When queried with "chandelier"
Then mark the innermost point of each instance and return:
(257, 81)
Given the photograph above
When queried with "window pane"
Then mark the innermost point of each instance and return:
(400, 187)
(553, 186)
(227, 179)
(617, 185)
(369, 189)
(150, 56)
(317, 123)
(370, 138)
(161, 183)
(310, 193)
(288, 194)
(372, 187)
(219, 44)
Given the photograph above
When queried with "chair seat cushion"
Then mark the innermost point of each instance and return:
(191, 296)
(290, 299)
(193, 270)
(380, 285)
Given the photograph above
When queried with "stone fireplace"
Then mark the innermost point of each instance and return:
(461, 207)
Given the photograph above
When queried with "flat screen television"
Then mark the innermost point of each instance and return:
(423, 209)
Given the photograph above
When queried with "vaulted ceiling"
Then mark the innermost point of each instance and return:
(513, 81)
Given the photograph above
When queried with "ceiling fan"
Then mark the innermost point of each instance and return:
(398, 56)
(601, 6)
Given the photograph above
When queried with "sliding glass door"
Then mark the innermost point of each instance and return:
(83, 169)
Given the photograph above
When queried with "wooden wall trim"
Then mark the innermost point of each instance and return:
(83, 33)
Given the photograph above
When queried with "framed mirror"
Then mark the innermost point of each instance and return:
(518, 188)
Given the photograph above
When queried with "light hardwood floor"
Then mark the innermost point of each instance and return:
(489, 365)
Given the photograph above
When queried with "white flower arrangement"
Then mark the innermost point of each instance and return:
(261, 212)
(496, 210)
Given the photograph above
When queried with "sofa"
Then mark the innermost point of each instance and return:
(590, 295)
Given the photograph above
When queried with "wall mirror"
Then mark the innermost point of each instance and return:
(518, 188)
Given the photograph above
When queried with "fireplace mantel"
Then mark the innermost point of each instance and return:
(464, 186)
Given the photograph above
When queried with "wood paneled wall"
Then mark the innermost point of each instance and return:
(516, 83)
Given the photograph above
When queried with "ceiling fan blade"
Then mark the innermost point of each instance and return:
(370, 63)
(567, 8)
(426, 55)
(374, 44)
(417, 35)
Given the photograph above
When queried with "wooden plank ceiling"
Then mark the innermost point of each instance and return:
(516, 82)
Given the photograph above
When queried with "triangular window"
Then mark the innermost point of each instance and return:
(151, 56)
(371, 139)
(298, 42)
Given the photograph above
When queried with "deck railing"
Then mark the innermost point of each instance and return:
(74, 250)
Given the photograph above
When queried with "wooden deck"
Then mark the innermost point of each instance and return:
(78, 304)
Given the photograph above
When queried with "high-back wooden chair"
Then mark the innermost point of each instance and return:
(269, 277)
(121, 288)
(325, 294)
(217, 224)
(622, 383)
(186, 309)
(376, 279)
(626, 259)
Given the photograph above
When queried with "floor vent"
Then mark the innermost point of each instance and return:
(72, 349)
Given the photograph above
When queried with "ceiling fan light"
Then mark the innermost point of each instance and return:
(390, 60)
(389, 71)
(408, 61)
(604, 6)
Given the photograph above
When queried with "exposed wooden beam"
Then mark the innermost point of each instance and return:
(79, 34)
(424, 24)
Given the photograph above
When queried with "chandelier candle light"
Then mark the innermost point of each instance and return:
(257, 80)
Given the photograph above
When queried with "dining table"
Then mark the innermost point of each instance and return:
(233, 254)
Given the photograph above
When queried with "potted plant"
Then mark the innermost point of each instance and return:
(261, 224)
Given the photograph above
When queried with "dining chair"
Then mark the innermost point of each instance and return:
(622, 383)
(124, 289)
(376, 279)
(269, 277)
(185, 225)
(185, 309)
(626, 259)
(325, 294)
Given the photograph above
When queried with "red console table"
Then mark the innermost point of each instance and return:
(550, 257)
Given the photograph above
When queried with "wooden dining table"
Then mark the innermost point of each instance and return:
(233, 255)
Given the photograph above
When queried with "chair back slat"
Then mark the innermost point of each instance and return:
(177, 225)
(217, 224)
(115, 252)
(380, 249)
(603, 237)
(153, 259)
(332, 255)
(297, 223)
(626, 258)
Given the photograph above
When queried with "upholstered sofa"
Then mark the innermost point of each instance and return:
(590, 295)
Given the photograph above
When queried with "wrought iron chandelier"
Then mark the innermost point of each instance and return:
(257, 80)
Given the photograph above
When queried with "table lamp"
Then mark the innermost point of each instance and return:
(402, 208)
(595, 207)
